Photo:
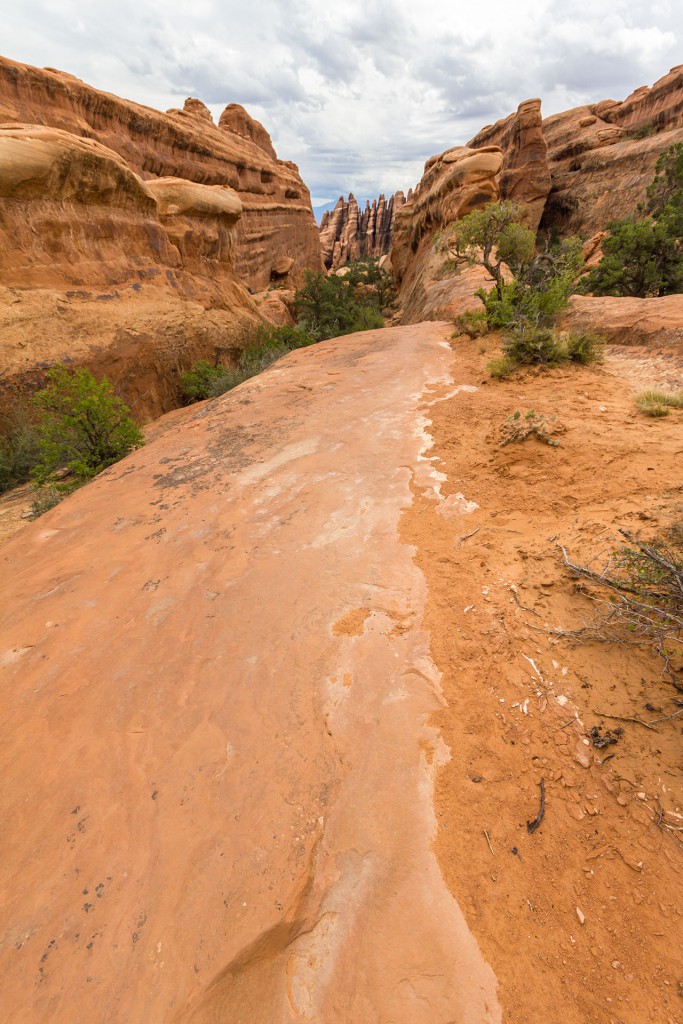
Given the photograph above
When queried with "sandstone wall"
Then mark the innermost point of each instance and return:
(524, 175)
(346, 234)
(99, 268)
(277, 221)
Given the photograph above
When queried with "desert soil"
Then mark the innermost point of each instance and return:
(314, 633)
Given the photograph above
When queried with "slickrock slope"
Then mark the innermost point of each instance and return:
(278, 219)
(347, 234)
(216, 758)
(132, 278)
(524, 174)
(453, 184)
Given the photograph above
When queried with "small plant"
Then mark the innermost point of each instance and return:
(644, 582)
(501, 367)
(46, 498)
(18, 448)
(535, 346)
(657, 403)
(584, 347)
(532, 424)
(473, 323)
(84, 427)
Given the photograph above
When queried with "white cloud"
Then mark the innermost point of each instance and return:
(358, 94)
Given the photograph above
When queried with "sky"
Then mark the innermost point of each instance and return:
(358, 93)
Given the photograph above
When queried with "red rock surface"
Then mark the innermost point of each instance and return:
(131, 278)
(524, 176)
(346, 234)
(216, 758)
(278, 219)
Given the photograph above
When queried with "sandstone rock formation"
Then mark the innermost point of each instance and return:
(130, 237)
(131, 278)
(346, 234)
(277, 220)
(524, 175)
(454, 184)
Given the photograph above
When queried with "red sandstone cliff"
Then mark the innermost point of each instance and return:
(347, 234)
(130, 238)
(277, 219)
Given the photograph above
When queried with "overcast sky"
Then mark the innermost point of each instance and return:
(359, 93)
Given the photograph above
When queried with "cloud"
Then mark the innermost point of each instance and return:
(359, 94)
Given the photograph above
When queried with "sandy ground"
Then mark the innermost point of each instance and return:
(333, 906)
(581, 920)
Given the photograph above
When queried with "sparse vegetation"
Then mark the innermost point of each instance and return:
(501, 367)
(518, 428)
(18, 447)
(328, 307)
(643, 257)
(83, 428)
(644, 583)
(658, 403)
(262, 346)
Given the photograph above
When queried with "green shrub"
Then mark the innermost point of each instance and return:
(84, 426)
(47, 497)
(18, 448)
(501, 367)
(328, 307)
(584, 346)
(473, 323)
(535, 346)
(518, 428)
(644, 257)
(263, 346)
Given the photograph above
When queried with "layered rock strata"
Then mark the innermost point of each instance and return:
(131, 278)
(524, 174)
(454, 184)
(277, 219)
(346, 234)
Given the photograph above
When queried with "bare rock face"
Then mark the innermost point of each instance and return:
(277, 217)
(651, 323)
(346, 234)
(454, 184)
(602, 157)
(100, 268)
(236, 119)
(524, 175)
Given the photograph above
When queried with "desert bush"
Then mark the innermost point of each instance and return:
(644, 603)
(658, 403)
(18, 447)
(84, 427)
(46, 498)
(643, 257)
(535, 346)
(263, 345)
(473, 323)
(327, 307)
(518, 428)
(584, 346)
(501, 367)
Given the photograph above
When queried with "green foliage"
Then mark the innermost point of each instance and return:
(473, 323)
(84, 426)
(584, 347)
(328, 307)
(657, 403)
(47, 497)
(644, 257)
(18, 448)
(534, 346)
(263, 346)
(492, 236)
(501, 367)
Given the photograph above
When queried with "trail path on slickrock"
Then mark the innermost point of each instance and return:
(216, 754)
